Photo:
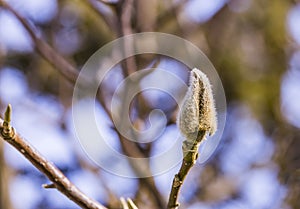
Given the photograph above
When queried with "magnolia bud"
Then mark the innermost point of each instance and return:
(197, 112)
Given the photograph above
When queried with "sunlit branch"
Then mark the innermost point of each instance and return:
(58, 179)
(187, 163)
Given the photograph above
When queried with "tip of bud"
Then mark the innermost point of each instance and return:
(197, 112)
(7, 114)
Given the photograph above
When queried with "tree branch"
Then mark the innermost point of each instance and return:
(59, 180)
(188, 162)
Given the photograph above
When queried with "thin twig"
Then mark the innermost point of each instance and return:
(188, 162)
(59, 180)
(49, 186)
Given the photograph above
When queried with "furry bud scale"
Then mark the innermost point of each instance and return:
(197, 112)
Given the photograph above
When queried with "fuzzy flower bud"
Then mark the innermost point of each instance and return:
(197, 111)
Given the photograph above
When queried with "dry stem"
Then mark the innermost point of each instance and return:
(59, 180)
(189, 159)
